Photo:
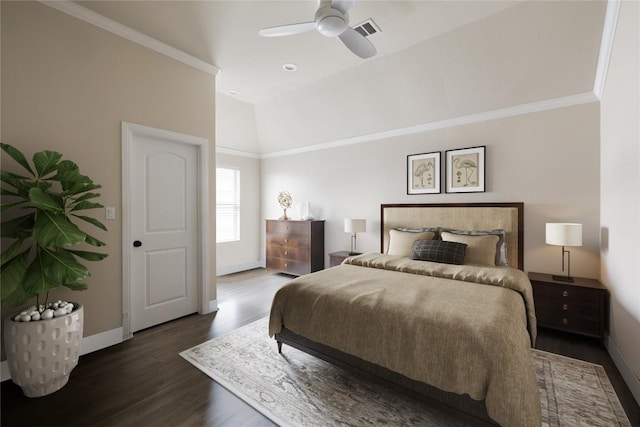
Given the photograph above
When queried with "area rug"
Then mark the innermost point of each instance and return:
(296, 389)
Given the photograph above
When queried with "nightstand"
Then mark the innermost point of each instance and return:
(336, 258)
(579, 307)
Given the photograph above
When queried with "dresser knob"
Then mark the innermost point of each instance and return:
(565, 293)
(565, 307)
(286, 265)
(565, 321)
(285, 240)
(286, 253)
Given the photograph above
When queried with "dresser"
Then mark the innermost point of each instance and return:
(579, 307)
(295, 247)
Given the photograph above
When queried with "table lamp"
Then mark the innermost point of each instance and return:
(354, 226)
(564, 234)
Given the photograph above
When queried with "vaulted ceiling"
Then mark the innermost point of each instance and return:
(436, 60)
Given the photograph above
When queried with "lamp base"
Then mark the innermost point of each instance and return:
(562, 278)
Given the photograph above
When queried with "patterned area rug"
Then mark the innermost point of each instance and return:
(296, 389)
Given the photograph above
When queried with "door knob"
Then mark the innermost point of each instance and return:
(137, 243)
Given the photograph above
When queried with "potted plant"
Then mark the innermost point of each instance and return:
(42, 216)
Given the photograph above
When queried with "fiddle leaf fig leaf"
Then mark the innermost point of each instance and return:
(93, 241)
(77, 286)
(62, 267)
(9, 253)
(87, 196)
(19, 227)
(46, 162)
(80, 206)
(17, 156)
(92, 221)
(56, 230)
(36, 279)
(12, 274)
(89, 256)
(45, 200)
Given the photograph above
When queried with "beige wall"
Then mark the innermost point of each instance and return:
(620, 194)
(66, 86)
(548, 160)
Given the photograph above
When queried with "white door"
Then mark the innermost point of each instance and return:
(164, 224)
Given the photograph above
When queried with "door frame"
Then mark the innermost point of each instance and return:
(129, 132)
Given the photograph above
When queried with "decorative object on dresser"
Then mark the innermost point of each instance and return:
(354, 226)
(579, 307)
(423, 173)
(465, 170)
(336, 258)
(295, 247)
(285, 201)
(564, 234)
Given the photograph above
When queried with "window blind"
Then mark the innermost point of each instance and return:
(227, 204)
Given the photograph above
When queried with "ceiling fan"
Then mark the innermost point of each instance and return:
(331, 20)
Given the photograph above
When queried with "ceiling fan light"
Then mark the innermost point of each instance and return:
(331, 26)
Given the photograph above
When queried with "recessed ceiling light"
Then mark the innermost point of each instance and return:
(290, 67)
(233, 92)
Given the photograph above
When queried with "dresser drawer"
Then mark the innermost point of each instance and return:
(289, 253)
(288, 240)
(297, 268)
(287, 227)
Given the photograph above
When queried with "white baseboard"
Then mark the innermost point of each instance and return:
(223, 271)
(633, 382)
(213, 306)
(87, 345)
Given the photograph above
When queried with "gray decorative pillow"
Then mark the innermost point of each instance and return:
(438, 251)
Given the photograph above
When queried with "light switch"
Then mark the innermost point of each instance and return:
(110, 212)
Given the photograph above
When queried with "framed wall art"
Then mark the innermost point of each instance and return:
(423, 173)
(465, 170)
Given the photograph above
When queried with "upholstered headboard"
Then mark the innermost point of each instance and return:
(462, 216)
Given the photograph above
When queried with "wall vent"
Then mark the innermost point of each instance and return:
(367, 28)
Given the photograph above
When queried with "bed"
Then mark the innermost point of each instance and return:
(456, 334)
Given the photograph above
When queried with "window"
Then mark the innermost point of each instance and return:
(227, 204)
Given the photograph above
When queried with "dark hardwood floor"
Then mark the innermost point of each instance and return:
(144, 382)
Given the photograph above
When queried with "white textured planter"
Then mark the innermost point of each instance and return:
(42, 353)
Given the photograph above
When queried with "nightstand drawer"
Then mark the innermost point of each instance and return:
(567, 322)
(569, 294)
(570, 307)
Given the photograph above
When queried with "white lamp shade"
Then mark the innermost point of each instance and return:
(355, 225)
(564, 234)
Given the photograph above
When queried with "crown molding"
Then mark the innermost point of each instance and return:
(93, 18)
(517, 110)
(606, 46)
(238, 153)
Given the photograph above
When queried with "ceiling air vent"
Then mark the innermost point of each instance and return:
(367, 28)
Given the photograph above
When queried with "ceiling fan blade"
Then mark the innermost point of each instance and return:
(357, 43)
(287, 30)
(342, 5)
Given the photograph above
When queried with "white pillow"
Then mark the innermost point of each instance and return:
(401, 242)
(480, 249)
